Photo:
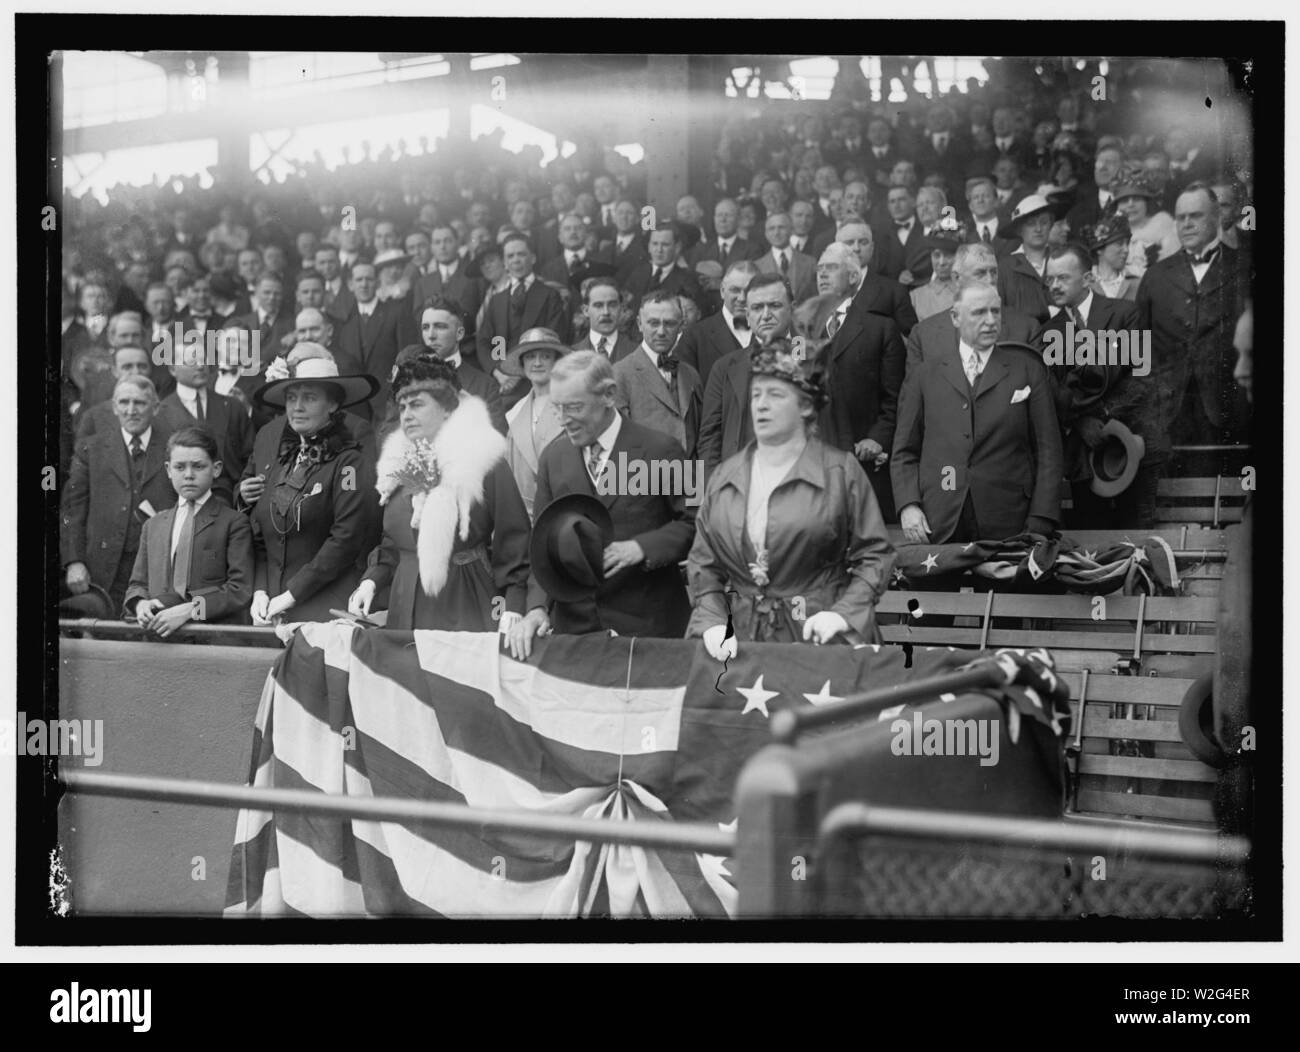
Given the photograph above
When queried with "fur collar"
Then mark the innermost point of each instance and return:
(466, 449)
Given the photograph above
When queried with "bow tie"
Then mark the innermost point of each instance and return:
(740, 323)
(1206, 257)
(667, 363)
(901, 223)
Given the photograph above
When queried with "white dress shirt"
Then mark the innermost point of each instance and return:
(966, 350)
(991, 224)
(606, 438)
(742, 336)
(448, 270)
(177, 523)
(654, 360)
(367, 309)
(905, 230)
(144, 437)
(1199, 269)
(188, 396)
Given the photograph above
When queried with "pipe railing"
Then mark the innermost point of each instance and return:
(109, 628)
(685, 836)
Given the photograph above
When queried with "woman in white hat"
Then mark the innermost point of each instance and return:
(533, 422)
(455, 544)
(314, 517)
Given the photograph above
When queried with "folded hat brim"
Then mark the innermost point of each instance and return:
(514, 363)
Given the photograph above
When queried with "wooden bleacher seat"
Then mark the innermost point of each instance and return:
(1127, 758)
(1133, 628)
(1216, 501)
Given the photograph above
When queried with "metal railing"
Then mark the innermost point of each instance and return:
(684, 836)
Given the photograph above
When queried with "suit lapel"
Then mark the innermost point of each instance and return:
(154, 457)
(954, 370)
(654, 382)
(994, 373)
(121, 458)
(846, 334)
(160, 555)
(206, 516)
(739, 377)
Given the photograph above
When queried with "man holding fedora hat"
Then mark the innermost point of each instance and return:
(1111, 449)
(588, 576)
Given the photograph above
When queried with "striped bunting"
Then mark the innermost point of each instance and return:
(624, 730)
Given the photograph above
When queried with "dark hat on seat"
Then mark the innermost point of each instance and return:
(567, 549)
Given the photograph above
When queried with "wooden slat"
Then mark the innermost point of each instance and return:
(1095, 726)
(1196, 487)
(1226, 513)
(1176, 609)
(1121, 641)
(1182, 809)
(1095, 661)
(1195, 538)
(1145, 767)
(1137, 690)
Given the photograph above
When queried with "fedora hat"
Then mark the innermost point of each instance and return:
(94, 602)
(567, 549)
(536, 339)
(1115, 462)
(355, 389)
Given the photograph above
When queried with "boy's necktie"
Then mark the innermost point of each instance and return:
(181, 558)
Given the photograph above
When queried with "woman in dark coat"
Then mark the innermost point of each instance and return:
(314, 512)
(455, 547)
(789, 526)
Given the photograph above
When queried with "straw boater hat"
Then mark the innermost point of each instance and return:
(1029, 207)
(536, 339)
(318, 366)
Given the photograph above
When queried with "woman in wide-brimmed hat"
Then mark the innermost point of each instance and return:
(455, 528)
(1108, 240)
(1151, 230)
(312, 517)
(533, 422)
(790, 544)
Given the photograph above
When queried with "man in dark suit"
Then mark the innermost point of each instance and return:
(726, 246)
(446, 279)
(977, 450)
(988, 223)
(327, 265)
(116, 483)
(900, 244)
(600, 303)
(193, 402)
(798, 269)
(573, 263)
(660, 271)
(198, 315)
(625, 249)
(442, 330)
(846, 145)
(1094, 200)
(1190, 302)
(864, 367)
(270, 321)
(707, 342)
(935, 338)
(1006, 143)
(876, 294)
(727, 425)
(652, 387)
(642, 593)
(373, 331)
(878, 160)
(528, 303)
(160, 333)
(1089, 393)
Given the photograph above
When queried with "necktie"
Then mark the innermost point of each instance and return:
(199, 415)
(181, 557)
(972, 369)
(988, 238)
(722, 248)
(593, 460)
(517, 296)
(658, 278)
(833, 325)
(602, 346)
(785, 263)
(1076, 317)
(137, 461)
(740, 323)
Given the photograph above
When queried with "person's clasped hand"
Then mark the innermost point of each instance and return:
(823, 627)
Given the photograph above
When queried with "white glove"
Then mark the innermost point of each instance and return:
(260, 607)
(508, 621)
(719, 647)
(823, 627)
(360, 600)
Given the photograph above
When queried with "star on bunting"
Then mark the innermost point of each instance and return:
(823, 696)
(756, 697)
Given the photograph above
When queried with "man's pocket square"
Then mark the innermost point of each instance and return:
(1019, 396)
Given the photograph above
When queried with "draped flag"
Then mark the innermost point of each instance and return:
(1031, 562)
(643, 730)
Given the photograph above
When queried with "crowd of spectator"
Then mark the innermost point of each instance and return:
(853, 313)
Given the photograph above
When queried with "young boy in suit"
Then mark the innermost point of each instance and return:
(195, 560)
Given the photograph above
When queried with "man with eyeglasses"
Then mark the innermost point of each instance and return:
(642, 593)
(726, 425)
